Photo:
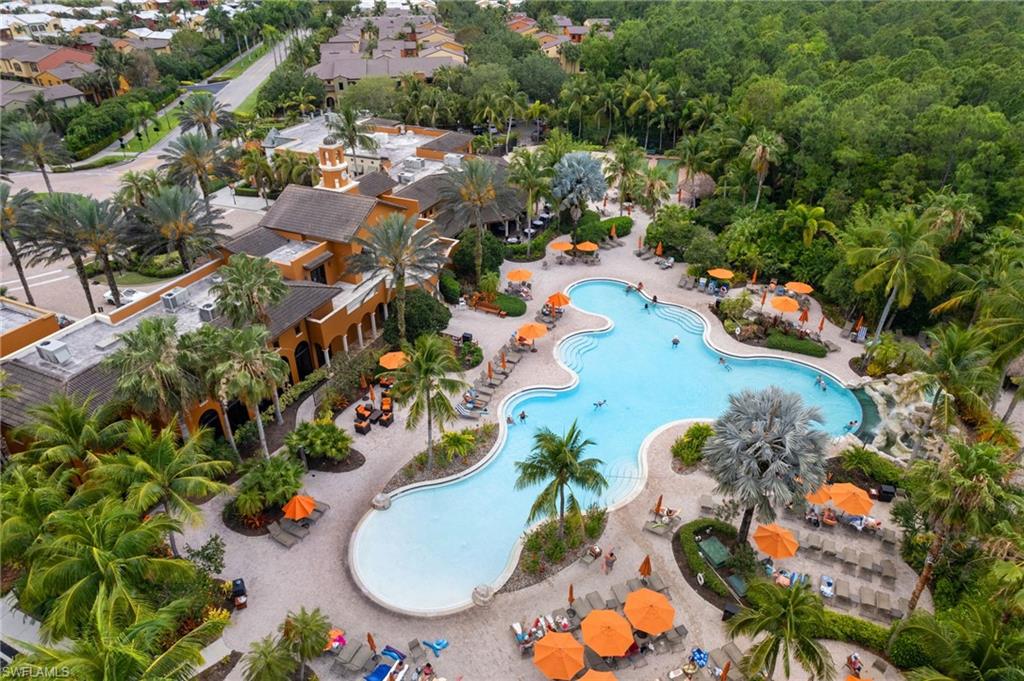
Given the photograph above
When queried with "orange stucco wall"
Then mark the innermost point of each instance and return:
(30, 332)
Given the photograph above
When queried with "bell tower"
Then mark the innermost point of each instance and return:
(333, 166)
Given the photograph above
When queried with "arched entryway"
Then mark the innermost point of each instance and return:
(211, 420)
(303, 360)
(330, 103)
(237, 414)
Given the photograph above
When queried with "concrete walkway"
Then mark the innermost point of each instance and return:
(315, 573)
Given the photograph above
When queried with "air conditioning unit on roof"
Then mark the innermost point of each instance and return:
(208, 311)
(175, 299)
(54, 351)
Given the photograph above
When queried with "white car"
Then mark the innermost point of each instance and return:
(128, 295)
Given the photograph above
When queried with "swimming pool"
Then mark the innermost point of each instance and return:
(436, 543)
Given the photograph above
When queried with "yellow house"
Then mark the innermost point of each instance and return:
(32, 25)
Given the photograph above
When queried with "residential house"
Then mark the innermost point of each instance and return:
(29, 26)
(337, 73)
(159, 45)
(14, 94)
(26, 60)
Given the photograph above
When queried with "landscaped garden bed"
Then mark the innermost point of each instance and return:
(454, 453)
(692, 563)
(763, 330)
(545, 553)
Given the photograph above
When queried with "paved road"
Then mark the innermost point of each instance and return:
(102, 183)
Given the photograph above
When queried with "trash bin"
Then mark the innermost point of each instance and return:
(886, 493)
(729, 611)
(239, 594)
(467, 337)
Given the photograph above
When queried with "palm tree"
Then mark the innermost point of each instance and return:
(142, 114)
(958, 369)
(181, 218)
(395, 247)
(605, 105)
(268, 660)
(201, 110)
(110, 648)
(16, 212)
(34, 144)
(247, 289)
(28, 498)
(257, 171)
(809, 221)
(645, 93)
(530, 176)
(558, 144)
(194, 160)
(252, 372)
(56, 234)
(655, 188)
(291, 168)
(623, 166)
(902, 254)
(975, 283)
(150, 370)
(67, 435)
(468, 192)
(575, 97)
(962, 497)
(202, 352)
(424, 384)
(763, 149)
(974, 646)
(304, 634)
(136, 186)
(1003, 318)
(154, 469)
(104, 553)
(789, 620)
(512, 103)
(952, 213)
(577, 181)
(102, 226)
(766, 452)
(353, 133)
(40, 109)
(557, 460)
(692, 157)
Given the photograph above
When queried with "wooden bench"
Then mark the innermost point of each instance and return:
(491, 309)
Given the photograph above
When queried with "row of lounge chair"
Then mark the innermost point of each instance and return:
(479, 396)
(868, 563)
(356, 657)
(288, 533)
(886, 535)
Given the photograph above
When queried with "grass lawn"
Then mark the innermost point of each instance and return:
(134, 279)
(249, 103)
(101, 162)
(167, 122)
(245, 62)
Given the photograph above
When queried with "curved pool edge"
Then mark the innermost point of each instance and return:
(574, 379)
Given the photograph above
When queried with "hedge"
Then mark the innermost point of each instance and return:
(451, 289)
(872, 465)
(537, 247)
(695, 559)
(803, 346)
(513, 306)
(623, 225)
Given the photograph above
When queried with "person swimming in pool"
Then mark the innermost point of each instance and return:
(675, 342)
(599, 404)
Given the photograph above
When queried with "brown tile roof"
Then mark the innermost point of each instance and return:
(36, 387)
(303, 298)
(318, 213)
(355, 67)
(69, 71)
(27, 52)
(257, 242)
(450, 142)
(426, 191)
(375, 183)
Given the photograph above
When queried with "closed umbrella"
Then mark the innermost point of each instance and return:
(764, 297)
(490, 371)
(649, 611)
(572, 596)
(803, 316)
(394, 360)
(607, 633)
(784, 304)
(776, 541)
(519, 275)
(558, 656)
(799, 287)
(860, 322)
(561, 246)
(298, 507)
(587, 247)
(657, 506)
(372, 395)
(532, 331)
(612, 233)
(504, 362)
(658, 251)
(753, 279)
(371, 642)
(645, 567)
(850, 498)
(821, 324)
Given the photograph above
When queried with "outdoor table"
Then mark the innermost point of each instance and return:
(375, 415)
(512, 240)
(714, 551)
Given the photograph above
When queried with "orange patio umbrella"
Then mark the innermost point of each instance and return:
(587, 247)
(804, 314)
(558, 299)
(658, 251)
(607, 633)
(720, 273)
(362, 382)
(372, 395)
(799, 287)
(649, 611)
(819, 496)
(561, 246)
(594, 675)
(645, 567)
(490, 371)
(532, 331)
(639, 242)
(776, 541)
(298, 507)
(821, 324)
(753, 279)
(850, 498)
(725, 671)
(784, 304)
(558, 655)
(519, 275)
(764, 297)
(394, 360)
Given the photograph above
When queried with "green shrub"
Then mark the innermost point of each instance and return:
(623, 225)
(555, 551)
(268, 483)
(160, 266)
(423, 314)
(537, 247)
(908, 650)
(593, 521)
(734, 308)
(743, 561)
(873, 466)
(592, 231)
(840, 627)
(320, 440)
(780, 341)
(512, 305)
(695, 559)
(463, 258)
(451, 289)
(456, 443)
(531, 563)
(471, 355)
(689, 449)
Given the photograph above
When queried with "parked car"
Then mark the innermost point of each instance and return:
(128, 295)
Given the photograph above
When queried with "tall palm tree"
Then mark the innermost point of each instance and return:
(513, 103)
(397, 248)
(41, 110)
(478, 187)
(16, 211)
(575, 96)
(136, 186)
(154, 469)
(531, 177)
(974, 646)
(34, 144)
(56, 234)
(67, 436)
(975, 283)
(557, 460)
(252, 372)
(952, 213)
(763, 149)
(248, 288)
(28, 498)
(577, 181)
(353, 133)
(902, 255)
(645, 94)
(766, 452)
(789, 622)
(962, 497)
(809, 221)
(104, 552)
(143, 113)
(1003, 318)
(958, 369)
(202, 110)
(102, 226)
(655, 187)
(304, 634)
(182, 219)
(202, 352)
(268, 660)
(623, 166)
(151, 373)
(692, 157)
(425, 384)
(558, 144)
(605, 105)
(194, 160)
(111, 648)
(258, 172)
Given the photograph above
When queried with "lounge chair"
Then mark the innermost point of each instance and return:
(813, 542)
(888, 536)
(595, 601)
(416, 651)
(849, 556)
(281, 537)
(707, 504)
(702, 285)
(845, 333)
(293, 528)
(640, 252)
(582, 608)
(829, 548)
(684, 281)
(880, 666)
(658, 528)
(634, 585)
(867, 597)
(842, 588)
(656, 583)
(348, 652)
(380, 673)
(647, 256)
(861, 335)
(888, 570)
(675, 641)
(668, 263)
(719, 659)
(883, 603)
(619, 593)
(733, 652)
(361, 660)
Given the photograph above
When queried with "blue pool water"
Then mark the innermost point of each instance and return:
(435, 544)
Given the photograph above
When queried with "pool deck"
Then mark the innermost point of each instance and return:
(315, 573)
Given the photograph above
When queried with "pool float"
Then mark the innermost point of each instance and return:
(437, 646)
